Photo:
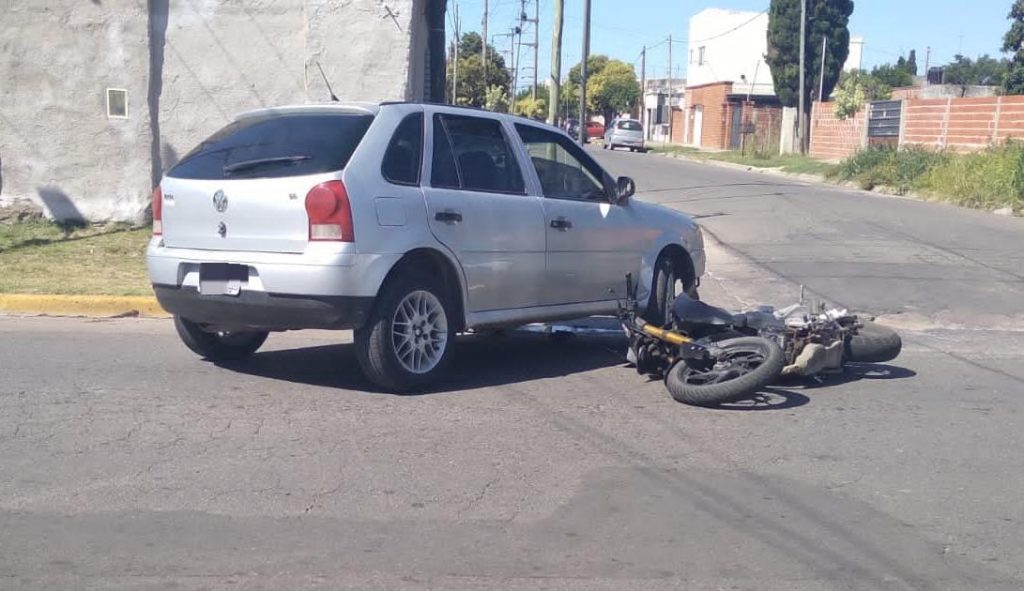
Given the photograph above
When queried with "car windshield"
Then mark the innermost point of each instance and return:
(630, 125)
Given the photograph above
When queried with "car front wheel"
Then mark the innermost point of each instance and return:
(406, 343)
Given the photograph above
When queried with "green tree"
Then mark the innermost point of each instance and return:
(612, 87)
(912, 63)
(1013, 43)
(496, 99)
(825, 18)
(543, 93)
(527, 106)
(985, 71)
(893, 76)
(856, 88)
(471, 86)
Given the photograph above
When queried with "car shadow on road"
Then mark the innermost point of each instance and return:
(480, 361)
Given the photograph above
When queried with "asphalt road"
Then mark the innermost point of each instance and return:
(127, 463)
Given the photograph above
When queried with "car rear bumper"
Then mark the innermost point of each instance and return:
(253, 310)
(311, 273)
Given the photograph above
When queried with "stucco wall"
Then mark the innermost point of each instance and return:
(189, 66)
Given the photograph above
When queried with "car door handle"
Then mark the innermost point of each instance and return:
(561, 224)
(448, 217)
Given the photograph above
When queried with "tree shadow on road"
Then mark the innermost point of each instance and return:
(480, 361)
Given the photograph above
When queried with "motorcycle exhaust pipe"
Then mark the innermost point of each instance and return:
(665, 335)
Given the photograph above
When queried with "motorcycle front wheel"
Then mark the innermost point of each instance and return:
(743, 366)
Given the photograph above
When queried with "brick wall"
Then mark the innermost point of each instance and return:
(833, 138)
(712, 99)
(678, 125)
(767, 120)
(963, 124)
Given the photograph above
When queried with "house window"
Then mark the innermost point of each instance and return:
(701, 55)
(117, 103)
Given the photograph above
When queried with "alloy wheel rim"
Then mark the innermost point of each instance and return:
(419, 332)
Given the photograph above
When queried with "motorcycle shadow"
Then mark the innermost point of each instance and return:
(781, 395)
(769, 398)
(852, 372)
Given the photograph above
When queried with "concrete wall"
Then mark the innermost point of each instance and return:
(189, 66)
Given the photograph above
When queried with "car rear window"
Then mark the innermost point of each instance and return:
(276, 145)
(630, 125)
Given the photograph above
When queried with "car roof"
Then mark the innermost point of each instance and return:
(364, 108)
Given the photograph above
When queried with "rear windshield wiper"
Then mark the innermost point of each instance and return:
(237, 166)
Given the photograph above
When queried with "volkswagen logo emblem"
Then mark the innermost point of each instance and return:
(220, 201)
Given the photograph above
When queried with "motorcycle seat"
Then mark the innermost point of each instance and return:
(695, 312)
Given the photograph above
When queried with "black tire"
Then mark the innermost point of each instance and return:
(666, 275)
(375, 341)
(733, 389)
(873, 343)
(218, 346)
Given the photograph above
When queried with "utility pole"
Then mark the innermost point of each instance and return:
(643, 90)
(803, 88)
(536, 45)
(556, 62)
(483, 48)
(455, 64)
(668, 104)
(821, 80)
(927, 63)
(583, 71)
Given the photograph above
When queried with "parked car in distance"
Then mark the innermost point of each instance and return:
(594, 130)
(572, 127)
(406, 222)
(627, 133)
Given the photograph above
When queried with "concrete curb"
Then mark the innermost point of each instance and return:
(81, 305)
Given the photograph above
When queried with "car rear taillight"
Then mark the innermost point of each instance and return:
(330, 214)
(158, 211)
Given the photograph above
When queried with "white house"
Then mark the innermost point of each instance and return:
(729, 46)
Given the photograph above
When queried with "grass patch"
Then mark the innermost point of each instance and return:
(787, 162)
(990, 179)
(45, 258)
(672, 149)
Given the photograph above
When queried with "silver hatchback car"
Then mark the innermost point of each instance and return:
(625, 133)
(408, 223)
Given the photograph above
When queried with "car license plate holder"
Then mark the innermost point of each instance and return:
(222, 278)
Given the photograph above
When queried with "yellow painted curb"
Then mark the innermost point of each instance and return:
(82, 305)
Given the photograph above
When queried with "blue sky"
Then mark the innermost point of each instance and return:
(620, 29)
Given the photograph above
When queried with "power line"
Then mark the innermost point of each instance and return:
(739, 26)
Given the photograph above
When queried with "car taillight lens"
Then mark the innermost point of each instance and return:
(158, 211)
(330, 214)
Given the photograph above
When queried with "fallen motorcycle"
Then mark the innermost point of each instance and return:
(704, 361)
(818, 340)
(709, 356)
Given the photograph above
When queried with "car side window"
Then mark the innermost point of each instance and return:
(472, 153)
(404, 156)
(444, 173)
(565, 172)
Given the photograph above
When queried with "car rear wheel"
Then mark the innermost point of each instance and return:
(406, 343)
(218, 346)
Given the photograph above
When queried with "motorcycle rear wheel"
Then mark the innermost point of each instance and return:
(873, 343)
(745, 365)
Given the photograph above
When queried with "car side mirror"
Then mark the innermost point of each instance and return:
(624, 189)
